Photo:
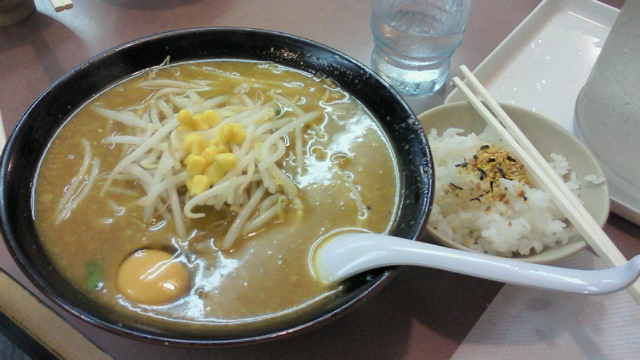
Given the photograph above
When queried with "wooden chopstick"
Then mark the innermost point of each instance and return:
(542, 172)
(61, 5)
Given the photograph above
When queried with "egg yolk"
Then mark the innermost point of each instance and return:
(152, 277)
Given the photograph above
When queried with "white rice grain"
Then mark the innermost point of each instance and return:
(519, 226)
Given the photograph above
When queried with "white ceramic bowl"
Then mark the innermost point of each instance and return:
(548, 137)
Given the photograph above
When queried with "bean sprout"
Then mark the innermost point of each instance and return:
(256, 188)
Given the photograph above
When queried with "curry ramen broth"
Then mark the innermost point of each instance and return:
(265, 275)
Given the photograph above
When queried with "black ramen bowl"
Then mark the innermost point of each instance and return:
(39, 124)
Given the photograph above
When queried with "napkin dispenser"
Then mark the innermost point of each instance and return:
(607, 115)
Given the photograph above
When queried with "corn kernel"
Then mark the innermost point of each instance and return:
(196, 165)
(214, 172)
(226, 161)
(187, 159)
(184, 117)
(187, 143)
(211, 118)
(210, 153)
(198, 145)
(221, 148)
(199, 123)
(224, 134)
(199, 184)
(238, 133)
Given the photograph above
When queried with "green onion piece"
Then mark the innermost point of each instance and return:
(94, 275)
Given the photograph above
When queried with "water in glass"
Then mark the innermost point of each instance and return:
(414, 41)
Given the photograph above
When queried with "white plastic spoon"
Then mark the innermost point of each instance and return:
(341, 256)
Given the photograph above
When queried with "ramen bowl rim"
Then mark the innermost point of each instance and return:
(25, 128)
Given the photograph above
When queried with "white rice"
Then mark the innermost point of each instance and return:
(521, 225)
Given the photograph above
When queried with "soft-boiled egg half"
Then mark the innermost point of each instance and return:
(152, 277)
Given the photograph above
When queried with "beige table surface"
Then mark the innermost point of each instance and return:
(422, 314)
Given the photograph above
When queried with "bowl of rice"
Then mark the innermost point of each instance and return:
(485, 200)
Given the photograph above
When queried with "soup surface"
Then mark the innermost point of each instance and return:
(92, 219)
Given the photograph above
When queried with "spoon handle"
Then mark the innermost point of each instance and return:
(345, 255)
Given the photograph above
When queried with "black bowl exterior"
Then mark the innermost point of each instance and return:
(39, 124)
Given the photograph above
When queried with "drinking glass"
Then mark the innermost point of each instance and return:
(414, 41)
